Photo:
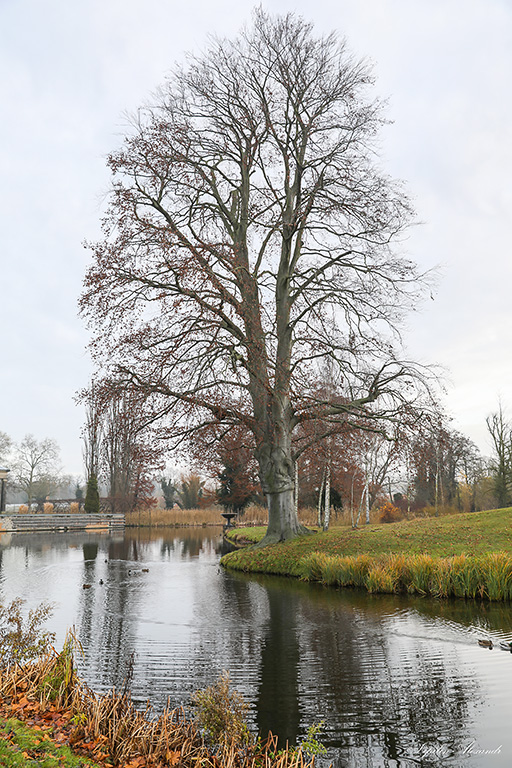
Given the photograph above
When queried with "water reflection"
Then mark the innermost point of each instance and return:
(397, 681)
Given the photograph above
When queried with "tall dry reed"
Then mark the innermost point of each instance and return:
(253, 515)
(486, 577)
(125, 733)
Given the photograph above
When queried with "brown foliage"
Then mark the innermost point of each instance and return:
(388, 513)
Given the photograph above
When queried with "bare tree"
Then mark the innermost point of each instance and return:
(249, 238)
(5, 447)
(130, 458)
(500, 430)
(440, 458)
(92, 431)
(36, 467)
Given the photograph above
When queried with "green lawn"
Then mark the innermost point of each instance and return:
(22, 746)
(476, 533)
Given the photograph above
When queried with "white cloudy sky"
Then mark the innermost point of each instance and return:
(68, 71)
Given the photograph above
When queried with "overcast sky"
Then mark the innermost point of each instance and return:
(68, 72)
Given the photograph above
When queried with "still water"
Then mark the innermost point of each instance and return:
(396, 681)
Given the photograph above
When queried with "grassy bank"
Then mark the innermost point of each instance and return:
(463, 555)
(31, 745)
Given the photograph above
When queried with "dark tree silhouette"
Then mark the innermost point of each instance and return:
(92, 496)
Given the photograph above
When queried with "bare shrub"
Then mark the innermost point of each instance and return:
(223, 714)
(23, 640)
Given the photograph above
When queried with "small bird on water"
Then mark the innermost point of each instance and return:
(486, 644)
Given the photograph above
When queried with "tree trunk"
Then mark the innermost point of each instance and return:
(283, 522)
(320, 501)
(278, 483)
(296, 491)
(327, 507)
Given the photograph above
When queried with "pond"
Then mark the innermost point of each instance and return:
(396, 681)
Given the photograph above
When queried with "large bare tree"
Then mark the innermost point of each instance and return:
(249, 242)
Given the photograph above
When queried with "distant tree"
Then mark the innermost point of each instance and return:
(131, 458)
(92, 430)
(79, 492)
(119, 445)
(170, 492)
(226, 454)
(191, 491)
(5, 447)
(500, 430)
(439, 460)
(92, 496)
(250, 239)
(36, 468)
(237, 487)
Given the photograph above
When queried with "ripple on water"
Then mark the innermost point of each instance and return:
(387, 674)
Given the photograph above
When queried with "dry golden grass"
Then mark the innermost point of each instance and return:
(126, 734)
(175, 517)
(253, 515)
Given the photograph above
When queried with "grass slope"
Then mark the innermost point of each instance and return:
(329, 557)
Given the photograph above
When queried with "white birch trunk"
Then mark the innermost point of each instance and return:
(320, 500)
(296, 489)
(327, 502)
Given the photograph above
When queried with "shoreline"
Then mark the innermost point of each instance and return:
(47, 711)
(466, 555)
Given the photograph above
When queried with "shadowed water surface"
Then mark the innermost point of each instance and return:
(397, 681)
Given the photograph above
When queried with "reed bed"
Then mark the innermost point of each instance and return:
(487, 577)
(122, 734)
(176, 518)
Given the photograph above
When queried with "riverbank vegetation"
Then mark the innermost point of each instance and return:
(50, 717)
(466, 555)
(44, 713)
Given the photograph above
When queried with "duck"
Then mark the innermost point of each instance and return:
(486, 644)
(145, 570)
(505, 645)
(86, 586)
